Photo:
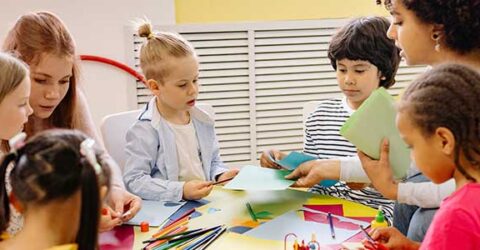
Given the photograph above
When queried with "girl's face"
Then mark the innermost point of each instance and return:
(357, 79)
(50, 82)
(14, 110)
(412, 36)
(430, 154)
(179, 89)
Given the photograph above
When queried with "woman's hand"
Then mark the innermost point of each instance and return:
(311, 173)
(380, 173)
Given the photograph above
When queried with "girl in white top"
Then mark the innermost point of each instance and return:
(14, 94)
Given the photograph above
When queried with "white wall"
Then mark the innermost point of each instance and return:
(99, 28)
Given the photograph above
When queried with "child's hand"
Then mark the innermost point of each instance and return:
(195, 190)
(228, 175)
(266, 158)
(380, 173)
(311, 173)
(108, 219)
(126, 204)
(393, 239)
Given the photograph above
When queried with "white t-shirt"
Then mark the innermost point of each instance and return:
(188, 152)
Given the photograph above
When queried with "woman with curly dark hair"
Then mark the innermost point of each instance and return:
(428, 32)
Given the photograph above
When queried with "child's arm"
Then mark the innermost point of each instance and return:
(217, 166)
(142, 151)
(424, 194)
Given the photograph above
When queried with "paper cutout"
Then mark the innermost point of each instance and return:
(212, 210)
(257, 178)
(155, 212)
(373, 121)
(294, 159)
(263, 215)
(350, 209)
(292, 222)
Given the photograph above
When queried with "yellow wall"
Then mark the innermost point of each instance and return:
(220, 11)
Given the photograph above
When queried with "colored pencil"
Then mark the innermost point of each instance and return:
(200, 232)
(220, 182)
(186, 214)
(171, 235)
(330, 221)
(204, 239)
(166, 230)
(366, 234)
(224, 228)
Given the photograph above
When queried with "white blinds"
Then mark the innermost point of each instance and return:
(257, 77)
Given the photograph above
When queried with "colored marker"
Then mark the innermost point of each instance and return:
(330, 221)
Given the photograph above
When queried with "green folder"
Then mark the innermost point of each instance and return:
(373, 121)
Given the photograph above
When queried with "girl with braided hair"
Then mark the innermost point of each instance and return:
(58, 183)
(445, 144)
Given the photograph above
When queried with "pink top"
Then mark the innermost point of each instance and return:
(456, 225)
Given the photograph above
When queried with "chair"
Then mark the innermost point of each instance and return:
(114, 129)
(308, 108)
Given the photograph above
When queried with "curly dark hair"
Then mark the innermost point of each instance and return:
(434, 99)
(365, 38)
(460, 20)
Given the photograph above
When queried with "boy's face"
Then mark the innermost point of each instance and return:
(357, 79)
(179, 89)
(428, 153)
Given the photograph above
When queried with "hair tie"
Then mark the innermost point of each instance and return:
(17, 142)
(150, 36)
(86, 149)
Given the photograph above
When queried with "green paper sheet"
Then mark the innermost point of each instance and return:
(373, 121)
(257, 178)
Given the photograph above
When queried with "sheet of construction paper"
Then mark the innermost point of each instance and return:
(293, 222)
(294, 159)
(155, 212)
(373, 121)
(258, 178)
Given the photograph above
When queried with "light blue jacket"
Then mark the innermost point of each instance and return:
(151, 169)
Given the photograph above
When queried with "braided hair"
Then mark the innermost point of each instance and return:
(50, 167)
(448, 96)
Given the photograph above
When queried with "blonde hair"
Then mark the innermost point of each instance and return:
(38, 33)
(12, 73)
(158, 47)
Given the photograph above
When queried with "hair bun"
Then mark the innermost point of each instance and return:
(145, 30)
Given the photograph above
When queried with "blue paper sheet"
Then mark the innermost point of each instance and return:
(258, 178)
(294, 159)
(155, 212)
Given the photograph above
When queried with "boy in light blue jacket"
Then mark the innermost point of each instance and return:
(172, 150)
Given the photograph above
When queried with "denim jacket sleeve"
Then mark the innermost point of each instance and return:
(142, 153)
(217, 165)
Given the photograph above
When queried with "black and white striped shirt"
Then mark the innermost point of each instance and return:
(323, 139)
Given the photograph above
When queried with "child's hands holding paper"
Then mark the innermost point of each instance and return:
(268, 158)
(195, 190)
(224, 177)
(380, 173)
